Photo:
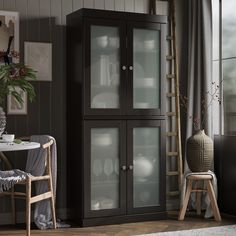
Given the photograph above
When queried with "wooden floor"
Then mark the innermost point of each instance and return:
(191, 222)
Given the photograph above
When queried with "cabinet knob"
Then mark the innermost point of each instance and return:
(123, 67)
(123, 167)
(131, 167)
(130, 67)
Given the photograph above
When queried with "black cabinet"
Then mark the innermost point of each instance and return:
(116, 106)
(225, 166)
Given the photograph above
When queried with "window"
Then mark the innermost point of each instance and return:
(224, 62)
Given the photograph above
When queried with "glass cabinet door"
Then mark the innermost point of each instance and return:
(104, 168)
(145, 157)
(103, 82)
(145, 69)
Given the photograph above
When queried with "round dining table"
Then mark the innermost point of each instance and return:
(12, 146)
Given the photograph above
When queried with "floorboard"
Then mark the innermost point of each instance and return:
(192, 221)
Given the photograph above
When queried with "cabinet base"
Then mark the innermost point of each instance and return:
(122, 219)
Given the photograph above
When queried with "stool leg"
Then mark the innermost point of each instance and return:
(212, 197)
(186, 199)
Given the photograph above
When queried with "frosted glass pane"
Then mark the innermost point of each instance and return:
(105, 64)
(146, 76)
(104, 168)
(146, 166)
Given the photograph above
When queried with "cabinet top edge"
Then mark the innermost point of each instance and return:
(95, 13)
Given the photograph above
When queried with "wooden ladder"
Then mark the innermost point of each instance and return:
(174, 150)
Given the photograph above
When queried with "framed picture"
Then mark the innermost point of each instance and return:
(39, 57)
(9, 36)
(14, 107)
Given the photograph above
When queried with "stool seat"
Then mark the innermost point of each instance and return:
(206, 178)
(200, 177)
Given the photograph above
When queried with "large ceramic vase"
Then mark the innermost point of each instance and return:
(2, 121)
(199, 152)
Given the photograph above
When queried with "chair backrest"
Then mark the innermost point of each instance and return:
(47, 146)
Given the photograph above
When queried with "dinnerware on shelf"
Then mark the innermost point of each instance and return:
(102, 41)
(149, 44)
(116, 166)
(107, 203)
(95, 205)
(108, 167)
(101, 139)
(142, 105)
(97, 167)
(143, 167)
(108, 100)
(145, 82)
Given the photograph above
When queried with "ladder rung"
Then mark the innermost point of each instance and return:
(170, 113)
(169, 95)
(170, 76)
(171, 134)
(171, 154)
(173, 193)
(172, 173)
(169, 37)
(170, 57)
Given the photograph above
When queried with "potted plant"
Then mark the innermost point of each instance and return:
(15, 75)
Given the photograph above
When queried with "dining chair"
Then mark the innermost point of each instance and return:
(27, 194)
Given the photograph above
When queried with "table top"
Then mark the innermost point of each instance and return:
(10, 146)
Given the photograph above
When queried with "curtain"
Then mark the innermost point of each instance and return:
(199, 59)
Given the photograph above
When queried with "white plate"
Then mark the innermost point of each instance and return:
(105, 100)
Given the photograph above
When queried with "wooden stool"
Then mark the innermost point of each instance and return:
(207, 179)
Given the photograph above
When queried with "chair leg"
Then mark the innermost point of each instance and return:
(212, 197)
(186, 199)
(28, 206)
(52, 203)
(13, 206)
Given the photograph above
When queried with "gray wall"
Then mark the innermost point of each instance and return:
(44, 21)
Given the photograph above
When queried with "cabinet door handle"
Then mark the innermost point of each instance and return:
(123, 168)
(130, 67)
(123, 67)
(131, 167)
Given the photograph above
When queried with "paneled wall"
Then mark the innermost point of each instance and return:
(44, 21)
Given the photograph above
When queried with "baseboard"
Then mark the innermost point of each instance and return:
(6, 218)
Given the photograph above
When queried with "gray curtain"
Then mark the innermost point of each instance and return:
(199, 74)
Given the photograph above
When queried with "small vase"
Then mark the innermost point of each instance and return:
(199, 152)
(2, 121)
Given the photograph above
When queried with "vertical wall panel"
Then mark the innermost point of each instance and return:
(77, 4)
(88, 3)
(138, 6)
(110, 5)
(45, 36)
(9, 4)
(129, 5)
(99, 4)
(120, 5)
(21, 128)
(33, 34)
(66, 9)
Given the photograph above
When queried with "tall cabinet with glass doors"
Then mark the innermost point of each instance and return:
(116, 121)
